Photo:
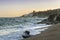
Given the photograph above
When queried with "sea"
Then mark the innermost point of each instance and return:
(13, 28)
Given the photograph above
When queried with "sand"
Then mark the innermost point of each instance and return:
(52, 33)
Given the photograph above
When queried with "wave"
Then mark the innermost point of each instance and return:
(15, 32)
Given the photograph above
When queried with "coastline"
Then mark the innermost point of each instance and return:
(52, 33)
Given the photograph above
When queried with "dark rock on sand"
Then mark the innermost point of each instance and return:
(26, 34)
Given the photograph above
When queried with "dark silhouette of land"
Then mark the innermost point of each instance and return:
(42, 13)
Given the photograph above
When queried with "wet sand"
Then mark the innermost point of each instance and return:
(52, 33)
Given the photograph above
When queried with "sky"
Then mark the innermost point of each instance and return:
(14, 8)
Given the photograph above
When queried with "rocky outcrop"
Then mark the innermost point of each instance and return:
(58, 18)
(52, 19)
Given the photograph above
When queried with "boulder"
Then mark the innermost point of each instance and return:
(26, 34)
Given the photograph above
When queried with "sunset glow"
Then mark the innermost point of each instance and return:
(13, 8)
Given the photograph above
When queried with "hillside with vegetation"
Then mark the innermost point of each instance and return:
(42, 13)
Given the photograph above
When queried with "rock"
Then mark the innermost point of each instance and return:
(26, 34)
(58, 18)
(52, 19)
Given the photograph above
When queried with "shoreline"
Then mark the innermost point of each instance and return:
(52, 33)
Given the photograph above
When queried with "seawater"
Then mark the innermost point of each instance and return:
(14, 32)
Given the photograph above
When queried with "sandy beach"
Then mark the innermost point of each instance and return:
(52, 33)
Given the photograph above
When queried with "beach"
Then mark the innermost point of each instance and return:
(52, 33)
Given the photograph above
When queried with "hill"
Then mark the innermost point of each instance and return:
(42, 13)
